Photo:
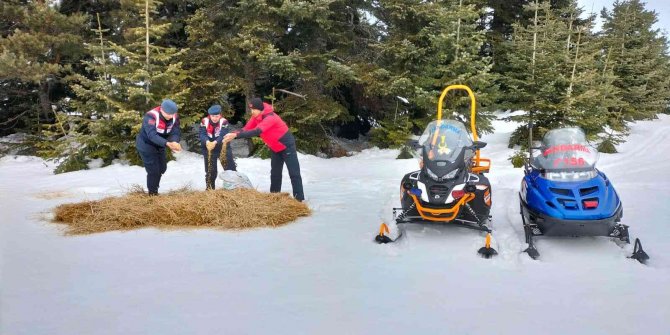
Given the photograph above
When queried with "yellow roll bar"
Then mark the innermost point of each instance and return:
(473, 104)
(473, 127)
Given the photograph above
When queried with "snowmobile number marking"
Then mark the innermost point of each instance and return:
(572, 161)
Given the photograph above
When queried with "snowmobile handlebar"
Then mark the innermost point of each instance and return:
(476, 145)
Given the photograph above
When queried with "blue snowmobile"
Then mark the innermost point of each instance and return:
(563, 194)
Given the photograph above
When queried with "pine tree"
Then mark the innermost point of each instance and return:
(501, 18)
(37, 47)
(638, 56)
(427, 45)
(589, 92)
(248, 48)
(536, 77)
(556, 73)
(327, 41)
(128, 79)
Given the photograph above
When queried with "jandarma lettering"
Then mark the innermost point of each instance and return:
(566, 147)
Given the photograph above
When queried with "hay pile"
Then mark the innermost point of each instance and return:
(226, 209)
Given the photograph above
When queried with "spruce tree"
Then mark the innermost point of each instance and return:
(248, 48)
(589, 92)
(37, 47)
(426, 46)
(638, 56)
(536, 79)
(128, 79)
(556, 73)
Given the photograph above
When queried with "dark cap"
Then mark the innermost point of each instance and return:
(169, 106)
(214, 110)
(256, 103)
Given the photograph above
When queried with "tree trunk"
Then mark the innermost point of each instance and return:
(567, 45)
(530, 113)
(146, 27)
(249, 80)
(45, 102)
(102, 48)
(574, 68)
(458, 28)
(534, 41)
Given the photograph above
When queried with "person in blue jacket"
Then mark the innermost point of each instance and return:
(212, 129)
(160, 130)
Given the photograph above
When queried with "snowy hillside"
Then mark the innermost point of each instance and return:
(323, 274)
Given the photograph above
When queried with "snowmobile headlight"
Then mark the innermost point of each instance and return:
(451, 174)
(432, 175)
(571, 176)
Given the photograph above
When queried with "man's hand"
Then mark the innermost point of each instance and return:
(174, 146)
(229, 137)
(210, 145)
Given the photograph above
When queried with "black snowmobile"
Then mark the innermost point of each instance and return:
(450, 187)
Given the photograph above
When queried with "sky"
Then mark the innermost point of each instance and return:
(662, 8)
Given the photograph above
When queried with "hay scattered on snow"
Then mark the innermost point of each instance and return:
(53, 195)
(225, 209)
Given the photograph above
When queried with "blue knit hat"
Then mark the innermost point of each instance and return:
(169, 106)
(214, 110)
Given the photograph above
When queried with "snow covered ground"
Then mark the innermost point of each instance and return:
(323, 274)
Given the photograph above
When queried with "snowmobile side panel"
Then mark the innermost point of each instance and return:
(593, 199)
(553, 226)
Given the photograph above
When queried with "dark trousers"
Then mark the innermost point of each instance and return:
(290, 157)
(211, 167)
(155, 163)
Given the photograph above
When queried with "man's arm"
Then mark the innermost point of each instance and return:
(249, 133)
(224, 130)
(251, 124)
(149, 129)
(202, 133)
(175, 134)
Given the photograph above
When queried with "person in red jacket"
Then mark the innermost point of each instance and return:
(264, 122)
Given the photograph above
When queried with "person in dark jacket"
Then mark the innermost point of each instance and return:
(212, 129)
(160, 130)
(264, 122)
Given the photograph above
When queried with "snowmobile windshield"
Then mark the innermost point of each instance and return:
(566, 155)
(443, 140)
